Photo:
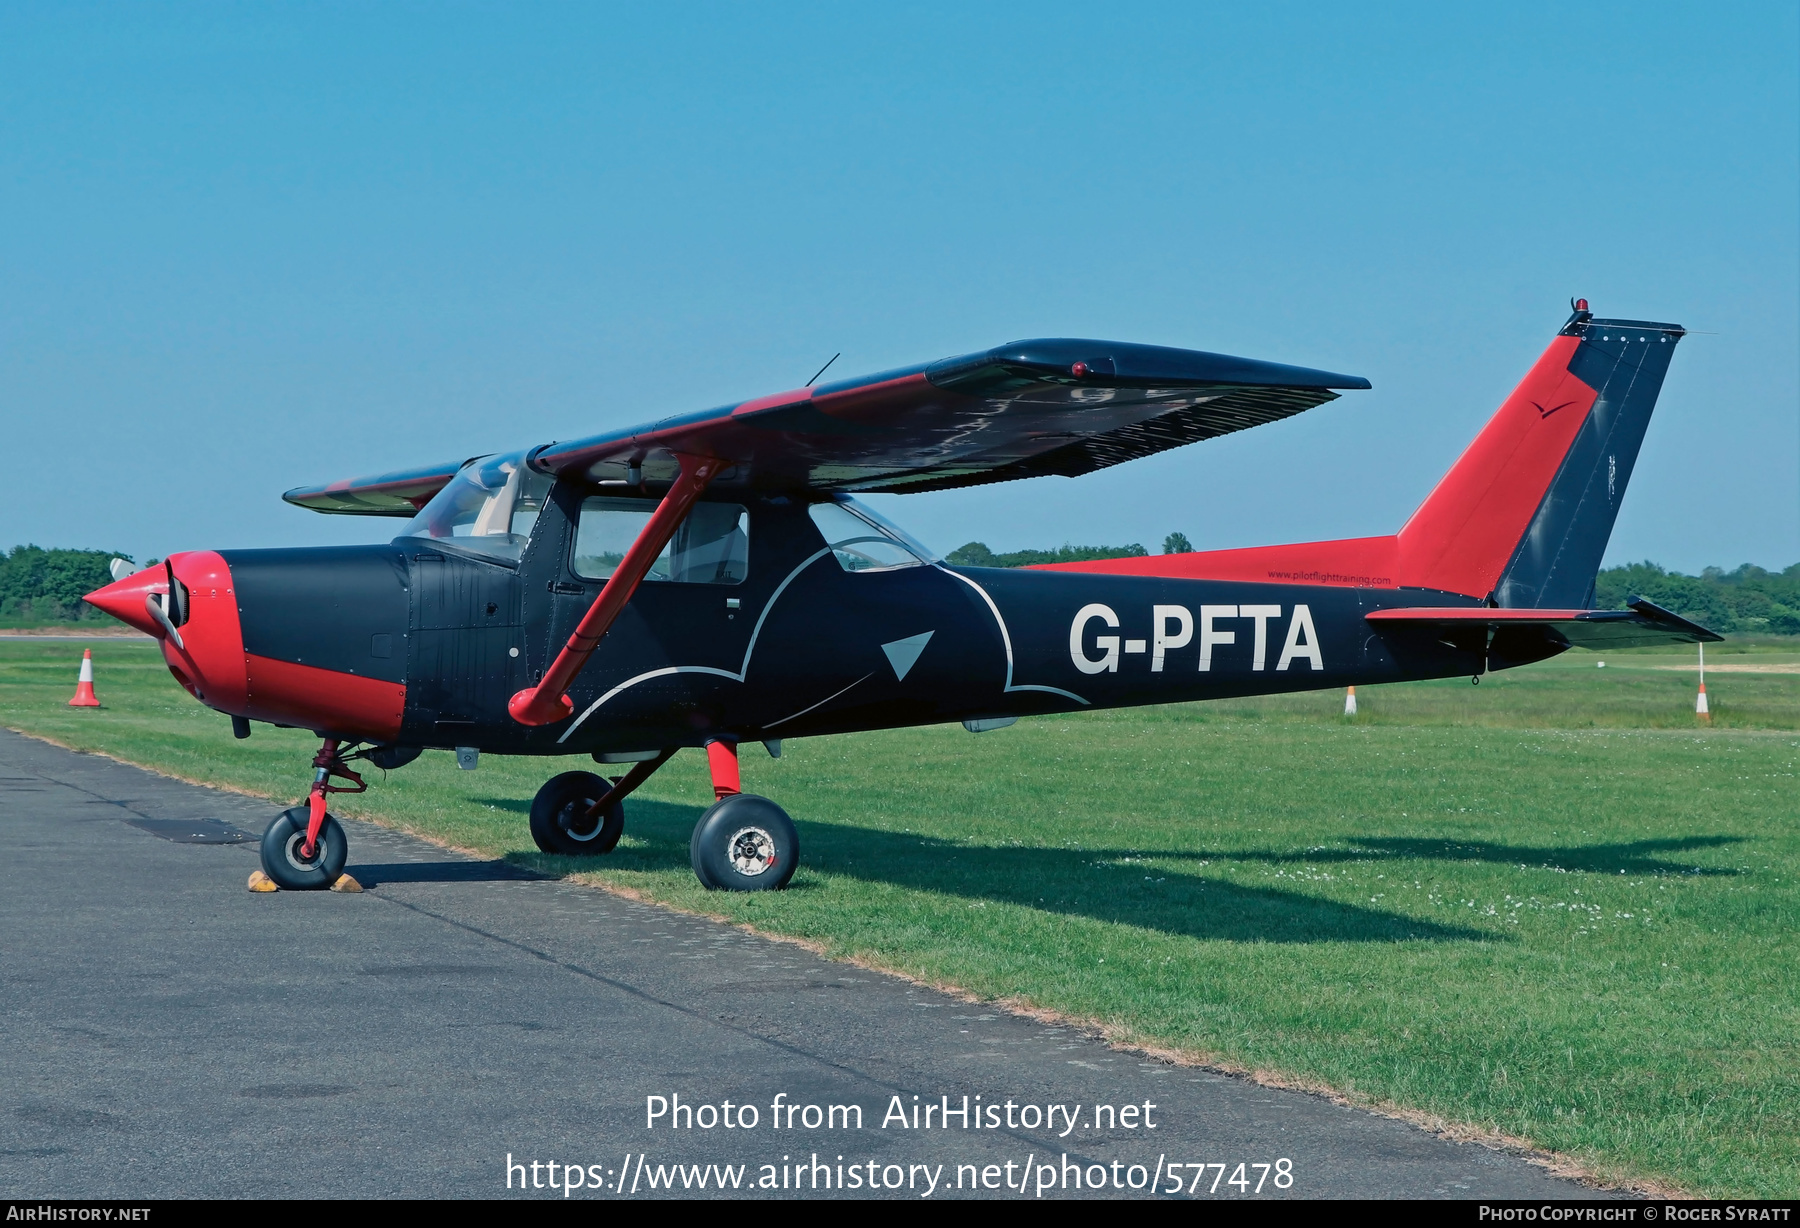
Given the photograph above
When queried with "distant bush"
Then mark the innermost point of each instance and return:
(38, 585)
(1748, 599)
(975, 554)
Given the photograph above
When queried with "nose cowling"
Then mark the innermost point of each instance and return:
(206, 651)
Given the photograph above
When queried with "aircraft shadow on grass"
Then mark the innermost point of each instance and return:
(1633, 857)
(513, 804)
(1095, 883)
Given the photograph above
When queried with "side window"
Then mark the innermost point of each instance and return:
(712, 546)
(858, 544)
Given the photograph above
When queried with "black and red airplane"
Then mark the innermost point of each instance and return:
(707, 580)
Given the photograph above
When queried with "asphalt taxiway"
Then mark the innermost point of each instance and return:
(166, 1033)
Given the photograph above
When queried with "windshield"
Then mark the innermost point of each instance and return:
(488, 507)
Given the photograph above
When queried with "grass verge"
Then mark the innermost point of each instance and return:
(1549, 908)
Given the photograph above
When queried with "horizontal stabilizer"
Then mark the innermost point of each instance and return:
(1643, 625)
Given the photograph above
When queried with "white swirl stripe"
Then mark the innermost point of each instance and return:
(743, 670)
(1006, 639)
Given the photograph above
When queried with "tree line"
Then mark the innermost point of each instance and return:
(38, 585)
(1747, 599)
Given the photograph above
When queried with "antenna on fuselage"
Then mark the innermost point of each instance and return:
(816, 374)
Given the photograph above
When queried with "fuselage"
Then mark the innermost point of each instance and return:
(421, 642)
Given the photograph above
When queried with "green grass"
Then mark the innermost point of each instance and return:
(1549, 906)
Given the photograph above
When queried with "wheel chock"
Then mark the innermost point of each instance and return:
(260, 882)
(347, 884)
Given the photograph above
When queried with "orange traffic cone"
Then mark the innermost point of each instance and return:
(1350, 702)
(1700, 708)
(84, 686)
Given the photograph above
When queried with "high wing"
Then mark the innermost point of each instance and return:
(1641, 626)
(401, 493)
(1022, 410)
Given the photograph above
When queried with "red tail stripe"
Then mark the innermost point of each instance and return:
(1462, 536)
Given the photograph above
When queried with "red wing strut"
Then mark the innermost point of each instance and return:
(546, 702)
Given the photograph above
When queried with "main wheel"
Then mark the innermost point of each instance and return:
(281, 859)
(744, 843)
(559, 816)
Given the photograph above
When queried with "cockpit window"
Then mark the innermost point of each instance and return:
(488, 508)
(860, 540)
(712, 546)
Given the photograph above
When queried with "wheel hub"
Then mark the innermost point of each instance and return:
(752, 851)
(574, 821)
(297, 842)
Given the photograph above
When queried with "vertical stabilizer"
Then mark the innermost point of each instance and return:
(1525, 513)
(1559, 557)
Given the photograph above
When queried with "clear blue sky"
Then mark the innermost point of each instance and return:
(248, 247)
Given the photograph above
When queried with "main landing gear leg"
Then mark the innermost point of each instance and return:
(743, 842)
(304, 849)
(579, 814)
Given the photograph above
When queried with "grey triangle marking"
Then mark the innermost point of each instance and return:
(904, 654)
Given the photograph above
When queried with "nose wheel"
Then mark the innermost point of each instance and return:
(286, 860)
(304, 849)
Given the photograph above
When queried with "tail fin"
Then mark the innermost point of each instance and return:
(1525, 513)
(1523, 516)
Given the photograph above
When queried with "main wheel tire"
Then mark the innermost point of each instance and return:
(559, 821)
(744, 843)
(281, 857)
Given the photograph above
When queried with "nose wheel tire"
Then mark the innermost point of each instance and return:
(744, 843)
(281, 852)
(559, 818)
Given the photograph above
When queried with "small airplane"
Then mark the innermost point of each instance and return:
(709, 580)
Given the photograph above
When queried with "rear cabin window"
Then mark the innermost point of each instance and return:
(861, 542)
(712, 546)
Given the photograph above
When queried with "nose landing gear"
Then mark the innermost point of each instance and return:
(304, 849)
